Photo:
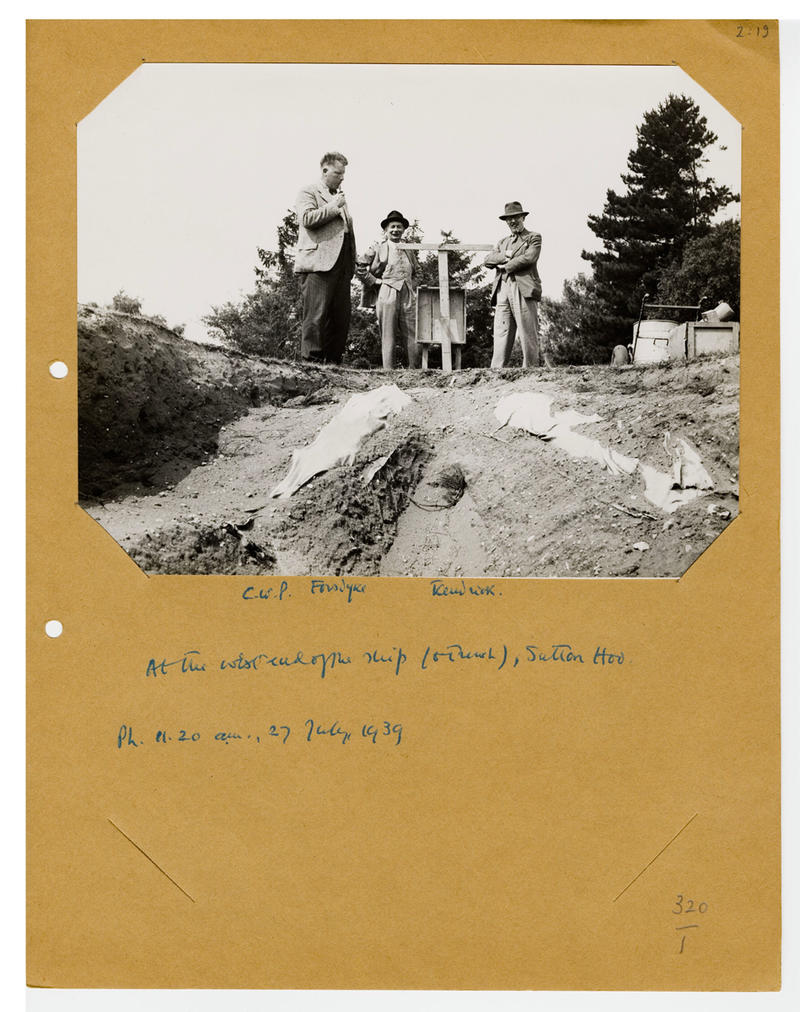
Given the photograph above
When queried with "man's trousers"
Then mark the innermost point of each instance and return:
(326, 310)
(396, 313)
(515, 314)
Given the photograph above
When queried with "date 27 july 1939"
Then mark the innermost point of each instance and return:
(370, 732)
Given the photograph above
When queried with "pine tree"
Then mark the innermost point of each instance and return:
(667, 203)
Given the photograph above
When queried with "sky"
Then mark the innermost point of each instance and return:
(185, 169)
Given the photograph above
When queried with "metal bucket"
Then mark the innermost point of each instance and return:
(722, 313)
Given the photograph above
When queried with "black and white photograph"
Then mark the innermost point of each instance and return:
(411, 321)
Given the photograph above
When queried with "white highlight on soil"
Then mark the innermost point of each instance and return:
(339, 440)
(53, 628)
(58, 369)
(688, 480)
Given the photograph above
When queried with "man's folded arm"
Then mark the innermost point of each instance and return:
(495, 258)
(527, 258)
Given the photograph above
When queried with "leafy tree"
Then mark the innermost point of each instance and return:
(667, 202)
(224, 322)
(363, 340)
(707, 268)
(267, 321)
(279, 266)
(478, 351)
(569, 326)
(263, 323)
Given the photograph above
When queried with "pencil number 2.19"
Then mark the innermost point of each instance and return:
(760, 31)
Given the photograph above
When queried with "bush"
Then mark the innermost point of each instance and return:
(124, 303)
(708, 268)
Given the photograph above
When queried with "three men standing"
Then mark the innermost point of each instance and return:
(326, 262)
(516, 290)
(326, 258)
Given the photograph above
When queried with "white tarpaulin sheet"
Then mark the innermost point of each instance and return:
(688, 480)
(339, 440)
(531, 412)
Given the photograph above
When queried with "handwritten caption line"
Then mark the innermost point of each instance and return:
(312, 730)
(350, 590)
(395, 658)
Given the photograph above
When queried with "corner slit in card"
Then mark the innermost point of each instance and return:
(658, 855)
(136, 845)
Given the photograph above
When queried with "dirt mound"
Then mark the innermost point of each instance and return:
(346, 520)
(442, 490)
(201, 550)
(151, 404)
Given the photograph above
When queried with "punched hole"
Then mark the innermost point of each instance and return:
(53, 628)
(58, 369)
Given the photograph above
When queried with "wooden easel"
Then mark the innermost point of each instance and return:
(447, 323)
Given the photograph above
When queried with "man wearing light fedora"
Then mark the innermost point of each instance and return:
(390, 279)
(516, 290)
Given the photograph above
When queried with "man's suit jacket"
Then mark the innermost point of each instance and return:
(525, 248)
(321, 230)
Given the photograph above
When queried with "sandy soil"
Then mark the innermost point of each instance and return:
(457, 497)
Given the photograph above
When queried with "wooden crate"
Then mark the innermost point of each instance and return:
(429, 325)
(705, 338)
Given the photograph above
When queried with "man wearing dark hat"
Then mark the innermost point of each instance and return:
(325, 261)
(517, 289)
(390, 283)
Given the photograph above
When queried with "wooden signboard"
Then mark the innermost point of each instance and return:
(433, 328)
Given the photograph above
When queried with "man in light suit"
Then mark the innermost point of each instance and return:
(325, 261)
(517, 289)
